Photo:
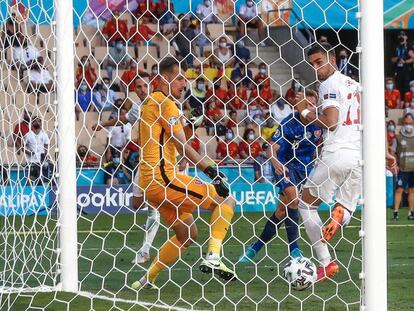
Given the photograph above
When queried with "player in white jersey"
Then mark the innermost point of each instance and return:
(153, 217)
(338, 172)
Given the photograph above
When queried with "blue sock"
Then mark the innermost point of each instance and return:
(291, 225)
(268, 232)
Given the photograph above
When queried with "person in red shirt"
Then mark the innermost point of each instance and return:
(409, 96)
(391, 136)
(262, 74)
(154, 76)
(220, 93)
(392, 95)
(227, 150)
(232, 122)
(115, 29)
(249, 147)
(20, 130)
(265, 97)
(85, 71)
(294, 89)
(214, 115)
(237, 102)
(129, 76)
(140, 35)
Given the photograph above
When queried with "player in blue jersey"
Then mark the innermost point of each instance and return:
(292, 156)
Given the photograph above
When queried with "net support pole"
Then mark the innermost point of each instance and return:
(373, 113)
(66, 145)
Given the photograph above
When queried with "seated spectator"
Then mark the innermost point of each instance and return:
(280, 110)
(232, 122)
(409, 97)
(391, 135)
(392, 95)
(23, 55)
(128, 77)
(262, 166)
(85, 71)
(103, 97)
(85, 159)
(219, 93)
(293, 90)
(265, 96)
(118, 57)
(214, 118)
(141, 35)
(227, 150)
(242, 52)
(118, 135)
(223, 54)
(13, 34)
(237, 101)
(39, 78)
(21, 129)
(116, 172)
(269, 128)
(242, 74)
(90, 19)
(207, 12)
(255, 114)
(115, 29)
(165, 13)
(249, 147)
(262, 74)
(83, 99)
(344, 66)
(249, 18)
(196, 96)
(184, 42)
(112, 85)
(203, 35)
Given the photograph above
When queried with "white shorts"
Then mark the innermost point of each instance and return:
(136, 189)
(337, 175)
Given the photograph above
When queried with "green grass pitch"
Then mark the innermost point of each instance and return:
(108, 244)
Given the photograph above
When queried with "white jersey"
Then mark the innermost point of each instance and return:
(35, 144)
(343, 93)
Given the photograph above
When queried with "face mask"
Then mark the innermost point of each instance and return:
(262, 71)
(83, 88)
(116, 160)
(240, 43)
(229, 136)
(207, 3)
(270, 123)
(249, 3)
(253, 107)
(391, 128)
(389, 86)
(201, 86)
(412, 89)
(223, 44)
(297, 86)
(408, 128)
(154, 71)
(119, 46)
(250, 137)
(258, 119)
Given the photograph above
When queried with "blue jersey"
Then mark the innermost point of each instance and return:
(298, 142)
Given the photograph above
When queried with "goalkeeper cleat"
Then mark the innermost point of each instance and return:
(143, 283)
(328, 271)
(140, 258)
(329, 231)
(248, 256)
(296, 253)
(216, 267)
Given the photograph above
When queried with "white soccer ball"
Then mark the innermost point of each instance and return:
(300, 273)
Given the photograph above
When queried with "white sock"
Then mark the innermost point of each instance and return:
(313, 225)
(212, 256)
(151, 227)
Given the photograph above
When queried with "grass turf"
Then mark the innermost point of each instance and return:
(107, 246)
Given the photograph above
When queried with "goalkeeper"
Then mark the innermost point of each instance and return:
(177, 196)
(293, 157)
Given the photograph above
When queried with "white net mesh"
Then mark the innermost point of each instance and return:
(246, 66)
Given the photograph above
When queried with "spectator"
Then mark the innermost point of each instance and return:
(85, 71)
(265, 97)
(242, 52)
(344, 66)
(242, 74)
(293, 90)
(112, 85)
(262, 74)
(24, 55)
(207, 12)
(232, 122)
(227, 150)
(115, 29)
(167, 20)
(214, 119)
(89, 18)
(402, 62)
(263, 169)
(280, 110)
(83, 99)
(405, 155)
(409, 96)
(219, 93)
(391, 136)
(203, 35)
(142, 35)
(223, 55)
(39, 78)
(249, 147)
(255, 114)
(21, 129)
(118, 57)
(392, 95)
(36, 146)
(103, 97)
(119, 135)
(323, 39)
(184, 42)
(239, 100)
(153, 77)
(196, 96)
(128, 77)
(115, 172)
(12, 33)
(85, 159)
(249, 18)
(269, 129)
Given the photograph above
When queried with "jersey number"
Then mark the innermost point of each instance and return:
(357, 120)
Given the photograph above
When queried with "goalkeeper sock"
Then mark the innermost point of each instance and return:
(220, 222)
(151, 227)
(313, 225)
(291, 225)
(268, 232)
(168, 253)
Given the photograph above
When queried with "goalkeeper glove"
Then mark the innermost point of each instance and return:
(218, 179)
(195, 116)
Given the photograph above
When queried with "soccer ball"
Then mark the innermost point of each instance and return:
(300, 273)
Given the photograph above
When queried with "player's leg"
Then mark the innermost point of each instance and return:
(411, 203)
(398, 196)
(292, 221)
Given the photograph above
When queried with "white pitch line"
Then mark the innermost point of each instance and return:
(129, 301)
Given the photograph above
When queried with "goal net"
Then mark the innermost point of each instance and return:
(244, 67)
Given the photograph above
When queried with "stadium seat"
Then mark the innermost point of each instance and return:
(396, 115)
(101, 53)
(216, 31)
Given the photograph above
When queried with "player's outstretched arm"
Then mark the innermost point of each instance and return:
(111, 122)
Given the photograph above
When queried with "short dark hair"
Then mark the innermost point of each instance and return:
(311, 93)
(233, 111)
(319, 47)
(408, 115)
(168, 63)
(141, 75)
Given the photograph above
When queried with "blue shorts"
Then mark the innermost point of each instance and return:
(294, 177)
(405, 180)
